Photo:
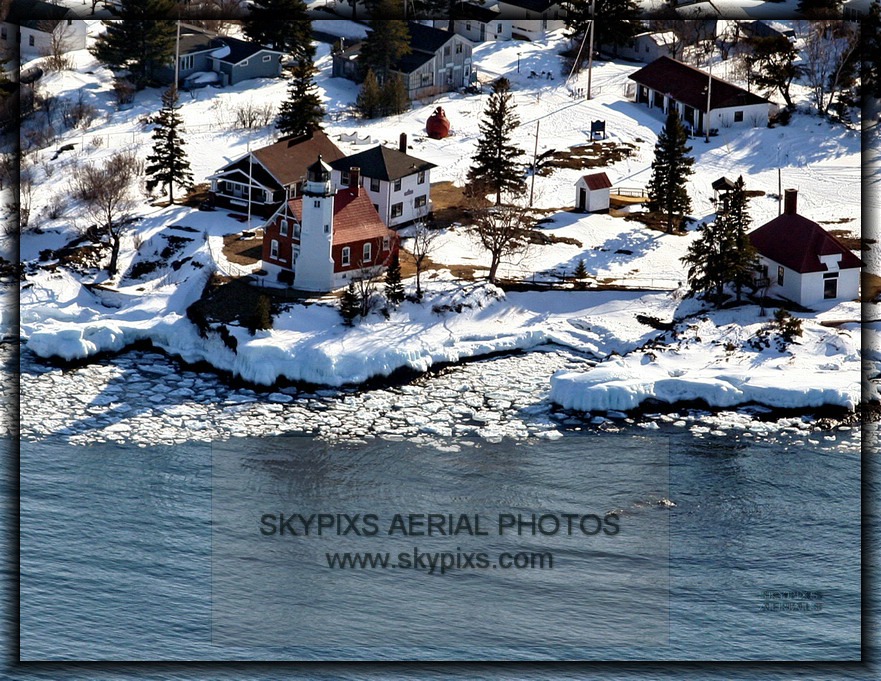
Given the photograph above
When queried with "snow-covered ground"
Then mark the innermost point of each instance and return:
(459, 319)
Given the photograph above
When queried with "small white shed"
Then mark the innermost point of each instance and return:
(592, 193)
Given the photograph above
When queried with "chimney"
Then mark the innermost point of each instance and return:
(355, 178)
(790, 201)
(403, 143)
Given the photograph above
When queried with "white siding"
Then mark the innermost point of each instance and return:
(72, 37)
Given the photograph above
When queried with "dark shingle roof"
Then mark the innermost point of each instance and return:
(689, 85)
(427, 38)
(797, 243)
(37, 15)
(382, 163)
(240, 50)
(532, 5)
(467, 10)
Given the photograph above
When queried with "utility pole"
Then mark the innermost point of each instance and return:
(779, 189)
(709, 93)
(534, 160)
(590, 51)
(176, 57)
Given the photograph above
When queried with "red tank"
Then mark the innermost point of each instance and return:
(438, 126)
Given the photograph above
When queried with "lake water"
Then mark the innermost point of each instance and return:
(735, 546)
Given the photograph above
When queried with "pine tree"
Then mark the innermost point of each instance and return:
(301, 112)
(617, 21)
(820, 9)
(395, 99)
(350, 305)
(774, 58)
(282, 25)
(670, 170)
(137, 41)
(387, 42)
(723, 253)
(580, 274)
(394, 287)
(168, 164)
(369, 102)
(494, 165)
(262, 314)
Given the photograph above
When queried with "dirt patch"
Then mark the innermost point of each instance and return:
(244, 251)
(197, 195)
(653, 220)
(847, 238)
(450, 204)
(593, 155)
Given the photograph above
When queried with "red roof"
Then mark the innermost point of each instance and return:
(797, 243)
(688, 85)
(597, 181)
(354, 217)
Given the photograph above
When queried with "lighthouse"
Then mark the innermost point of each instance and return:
(315, 272)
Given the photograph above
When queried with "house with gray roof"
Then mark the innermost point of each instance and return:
(399, 185)
(439, 61)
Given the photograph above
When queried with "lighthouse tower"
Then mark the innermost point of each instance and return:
(314, 268)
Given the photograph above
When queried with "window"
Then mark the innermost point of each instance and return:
(273, 250)
(374, 184)
(459, 48)
(398, 185)
(344, 178)
(296, 255)
(467, 25)
(327, 229)
(187, 62)
(780, 275)
(347, 256)
(283, 230)
(267, 58)
(245, 62)
(830, 285)
(385, 243)
(426, 78)
(446, 50)
(420, 201)
(297, 230)
(738, 116)
(368, 252)
(70, 22)
(316, 203)
(31, 40)
(420, 177)
(498, 28)
(397, 210)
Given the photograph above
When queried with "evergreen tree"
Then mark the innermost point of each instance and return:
(580, 274)
(369, 102)
(394, 287)
(282, 25)
(774, 60)
(723, 253)
(137, 41)
(670, 170)
(262, 315)
(617, 21)
(168, 164)
(387, 42)
(301, 112)
(495, 167)
(350, 305)
(395, 99)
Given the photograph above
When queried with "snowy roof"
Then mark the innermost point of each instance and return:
(354, 217)
(797, 243)
(596, 181)
(688, 85)
(383, 163)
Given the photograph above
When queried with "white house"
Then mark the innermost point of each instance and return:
(399, 185)
(802, 261)
(532, 19)
(477, 22)
(592, 193)
(648, 46)
(34, 29)
(667, 83)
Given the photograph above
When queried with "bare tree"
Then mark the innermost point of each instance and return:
(828, 55)
(55, 52)
(423, 244)
(106, 193)
(25, 191)
(503, 231)
(366, 285)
